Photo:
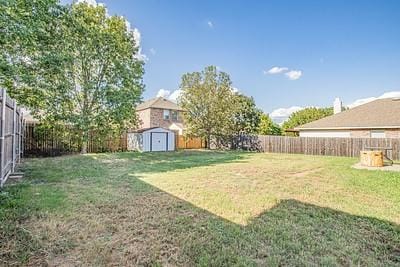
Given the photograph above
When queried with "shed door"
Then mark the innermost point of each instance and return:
(158, 142)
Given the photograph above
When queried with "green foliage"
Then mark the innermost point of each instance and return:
(209, 102)
(305, 116)
(268, 127)
(76, 66)
(29, 30)
(214, 109)
(247, 116)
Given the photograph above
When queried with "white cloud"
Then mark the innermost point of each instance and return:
(294, 74)
(137, 35)
(128, 25)
(163, 93)
(361, 101)
(138, 39)
(291, 74)
(281, 115)
(284, 112)
(235, 90)
(152, 51)
(175, 95)
(210, 24)
(392, 94)
(276, 70)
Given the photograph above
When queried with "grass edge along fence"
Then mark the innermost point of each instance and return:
(11, 136)
(343, 147)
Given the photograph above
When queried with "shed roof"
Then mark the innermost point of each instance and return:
(381, 113)
(158, 102)
(149, 129)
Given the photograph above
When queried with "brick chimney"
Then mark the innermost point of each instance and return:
(337, 106)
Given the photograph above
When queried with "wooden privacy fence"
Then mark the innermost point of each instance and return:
(185, 142)
(11, 137)
(63, 140)
(346, 147)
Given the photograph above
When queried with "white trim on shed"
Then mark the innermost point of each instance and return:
(152, 139)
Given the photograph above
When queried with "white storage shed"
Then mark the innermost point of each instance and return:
(151, 139)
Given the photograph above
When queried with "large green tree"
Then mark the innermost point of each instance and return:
(209, 103)
(246, 117)
(305, 116)
(79, 66)
(268, 127)
(29, 32)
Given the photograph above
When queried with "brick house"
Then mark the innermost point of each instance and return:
(160, 112)
(376, 119)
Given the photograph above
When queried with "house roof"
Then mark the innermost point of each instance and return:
(158, 102)
(177, 126)
(378, 114)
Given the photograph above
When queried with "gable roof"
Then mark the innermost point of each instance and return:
(149, 129)
(381, 113)
(158, 102)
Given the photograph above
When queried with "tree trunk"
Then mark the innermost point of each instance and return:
(84, 147)
(84, 142)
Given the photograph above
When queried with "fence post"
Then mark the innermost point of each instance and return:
(13, 134)
(22, 135)
(2, 130)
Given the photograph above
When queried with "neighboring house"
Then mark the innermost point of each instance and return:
(160, 112)
(376, 119)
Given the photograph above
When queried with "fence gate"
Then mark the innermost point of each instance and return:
(11, 137)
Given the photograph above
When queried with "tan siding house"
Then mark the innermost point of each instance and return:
(160, 112)
(376, 119)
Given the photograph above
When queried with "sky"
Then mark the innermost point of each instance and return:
(286, 54)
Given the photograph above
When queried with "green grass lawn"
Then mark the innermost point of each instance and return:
(200, 208)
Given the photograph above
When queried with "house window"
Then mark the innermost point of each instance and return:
(378, 134)
(174, 115)
(166, 114)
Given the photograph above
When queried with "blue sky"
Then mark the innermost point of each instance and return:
(346, 49)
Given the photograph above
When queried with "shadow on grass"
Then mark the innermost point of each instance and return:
(171, 161)
(290, 233)
(107, 167)
(155, 227)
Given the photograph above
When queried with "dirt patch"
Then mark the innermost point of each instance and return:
(304, 173)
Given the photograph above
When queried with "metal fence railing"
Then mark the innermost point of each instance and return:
(11, 136)
(59, 140)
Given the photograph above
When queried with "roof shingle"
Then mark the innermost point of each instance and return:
(381, 113)
(158, 102)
